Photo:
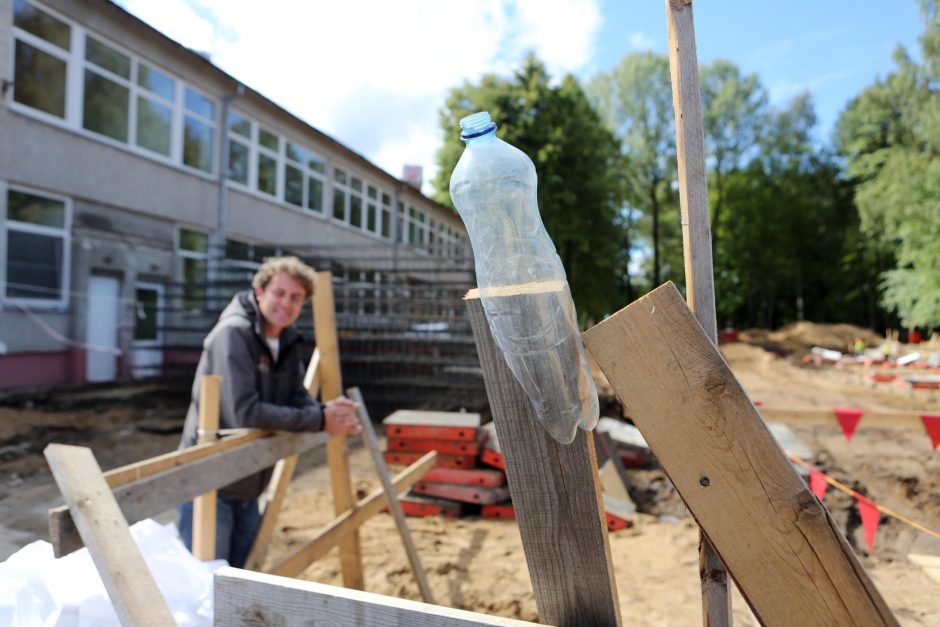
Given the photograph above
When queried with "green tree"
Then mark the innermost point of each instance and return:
(576, 158)
(635, 100)
(890, 135)
(734, 110)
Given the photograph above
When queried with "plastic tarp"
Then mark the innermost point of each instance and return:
(37, 589)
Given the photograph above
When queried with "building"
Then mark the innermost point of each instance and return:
(135, 175)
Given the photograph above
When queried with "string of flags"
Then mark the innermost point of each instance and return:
(869, 511)
(849, 418)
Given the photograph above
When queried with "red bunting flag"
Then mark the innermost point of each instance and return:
(817, 483)
(932, 425)
(848, 419)
(870, 519)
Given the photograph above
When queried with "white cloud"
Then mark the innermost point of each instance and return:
(641, 41)
(374, 74)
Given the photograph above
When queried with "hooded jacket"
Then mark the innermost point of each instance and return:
(256, 392)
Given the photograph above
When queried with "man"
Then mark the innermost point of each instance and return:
(257, 351)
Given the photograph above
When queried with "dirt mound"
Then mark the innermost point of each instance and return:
(798, 338)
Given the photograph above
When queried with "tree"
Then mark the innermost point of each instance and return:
(890, 135)
(635, 100)
(576, 160)
(733, 114)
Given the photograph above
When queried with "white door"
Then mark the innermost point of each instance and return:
(102, 328)
(148, 330)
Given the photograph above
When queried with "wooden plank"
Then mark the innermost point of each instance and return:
(557, 498)
(789, 560)
(130, 585)
(369, 433)
(312, 376)
(158, 493)
(246, 598)
(350, 520)
(433, 418)
(331, 386)
(697, 245)
(204, 504)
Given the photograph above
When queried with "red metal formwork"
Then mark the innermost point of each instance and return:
(478, 477)
(444, 461)
(463, 493)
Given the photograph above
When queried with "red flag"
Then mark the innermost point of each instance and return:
(932, 425)
(817, 483)
(870, 519)
(848, 419)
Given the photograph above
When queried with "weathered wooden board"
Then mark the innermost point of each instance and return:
(349, 521)
(331, 386)
(557, 497)
(246, 598)
(787, 556)
(158, 493)
(128, 581)
(204, 505)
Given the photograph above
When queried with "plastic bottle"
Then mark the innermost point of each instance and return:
(494, 190)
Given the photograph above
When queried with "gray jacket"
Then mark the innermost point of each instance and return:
(255, 391)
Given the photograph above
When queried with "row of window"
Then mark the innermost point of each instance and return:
(67, 74)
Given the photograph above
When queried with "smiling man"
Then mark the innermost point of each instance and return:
(258, 353)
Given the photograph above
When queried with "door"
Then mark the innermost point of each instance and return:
(102, 328)
(148, 331)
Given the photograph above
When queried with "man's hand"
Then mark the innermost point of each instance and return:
(340, 418)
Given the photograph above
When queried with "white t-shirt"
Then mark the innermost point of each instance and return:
(275, 345)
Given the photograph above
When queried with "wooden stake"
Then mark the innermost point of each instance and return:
(789, 559)
(697, 246)
(125, 575)
(393, 504)
(204, 505)
(556, 493)
(331, 386)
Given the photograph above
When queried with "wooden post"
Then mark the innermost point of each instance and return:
(331, 386)
(556, 493)
(128, 581)
(204, 505)
(393, 504)
(789, 559)
(697, 246)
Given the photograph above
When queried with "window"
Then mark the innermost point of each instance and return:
(355, 203)
(36, 233)
(340, 194)
(42, 45)
(107, 90)
(239, 147)
(193, 247)
(386, 221)
(154, 109)
(268, 147)
(198, 125)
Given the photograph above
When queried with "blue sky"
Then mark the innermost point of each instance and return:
(373, 74)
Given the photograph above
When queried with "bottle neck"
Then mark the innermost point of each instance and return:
(483, 138)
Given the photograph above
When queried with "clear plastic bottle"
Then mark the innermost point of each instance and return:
(494, 190)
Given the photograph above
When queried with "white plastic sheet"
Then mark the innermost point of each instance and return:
(37, 589)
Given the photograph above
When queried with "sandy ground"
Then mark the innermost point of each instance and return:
(479, 564)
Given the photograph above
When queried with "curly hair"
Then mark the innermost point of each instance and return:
(291, 266)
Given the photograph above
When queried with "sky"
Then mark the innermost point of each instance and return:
(374, 74)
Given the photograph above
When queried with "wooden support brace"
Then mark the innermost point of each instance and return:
(557, 497)
(158, 493)
(128, 581)
(331, 386)
(204, 504)
(350, 520)
(368, 433)
(789, 559)
(246, 598)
